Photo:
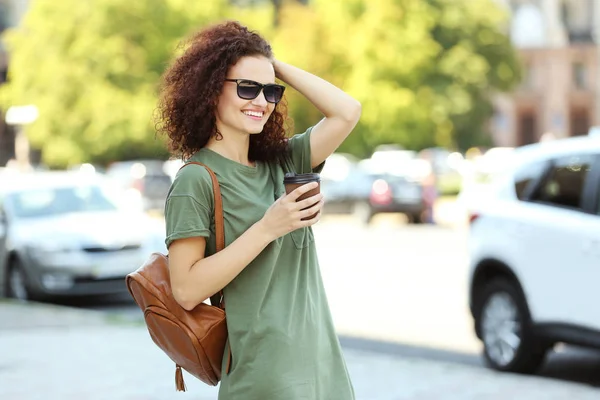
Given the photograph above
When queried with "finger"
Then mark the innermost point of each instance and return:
(312, 210)
(312, 200)
(299, 191)
(312, 221)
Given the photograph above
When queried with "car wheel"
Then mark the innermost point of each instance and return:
(17, 282)
(363, 212)
(505, 327)
(416, 218)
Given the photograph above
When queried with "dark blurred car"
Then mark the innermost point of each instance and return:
(64, 233)
(393, 194)
(148, 178)
(350, 189)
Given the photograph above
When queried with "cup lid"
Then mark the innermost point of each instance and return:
(292, 177)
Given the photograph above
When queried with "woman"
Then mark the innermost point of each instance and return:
(220, 106)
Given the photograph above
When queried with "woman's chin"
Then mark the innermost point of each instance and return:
(254, 130)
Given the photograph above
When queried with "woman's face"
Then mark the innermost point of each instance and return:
(245, 116)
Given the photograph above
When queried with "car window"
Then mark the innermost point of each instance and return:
(54, 201)
(563, 184)
(526, 176)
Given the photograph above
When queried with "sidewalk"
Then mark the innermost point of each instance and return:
(54, 353)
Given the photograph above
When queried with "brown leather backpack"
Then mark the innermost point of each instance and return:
(195, 340)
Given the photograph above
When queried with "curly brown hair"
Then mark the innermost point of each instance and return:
(193, 83)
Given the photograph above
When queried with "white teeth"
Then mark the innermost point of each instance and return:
(258, 114)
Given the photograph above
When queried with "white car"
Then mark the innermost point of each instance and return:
(534, 249)
(68, 234)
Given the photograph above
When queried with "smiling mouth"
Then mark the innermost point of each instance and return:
(256, 115)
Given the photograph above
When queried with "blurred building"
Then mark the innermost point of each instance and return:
(559, 95)
(11, 12)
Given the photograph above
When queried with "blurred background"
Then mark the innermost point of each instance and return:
(470, 109)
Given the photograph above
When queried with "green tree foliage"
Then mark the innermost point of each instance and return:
(92, 68)
(423, 69)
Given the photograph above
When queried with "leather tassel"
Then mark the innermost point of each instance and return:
(179, 383)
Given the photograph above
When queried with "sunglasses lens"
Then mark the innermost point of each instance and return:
(274, 93)
(248, 90)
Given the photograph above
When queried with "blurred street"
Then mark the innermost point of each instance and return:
(401, 290)
(377, 271)
(89, 356)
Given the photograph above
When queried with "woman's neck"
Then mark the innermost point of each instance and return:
(232, 146)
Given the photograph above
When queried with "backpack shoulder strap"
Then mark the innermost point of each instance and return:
(219, 219)
(219, 298)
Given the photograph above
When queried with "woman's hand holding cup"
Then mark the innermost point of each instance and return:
(293, 210)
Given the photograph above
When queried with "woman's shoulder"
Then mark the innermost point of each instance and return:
(192, 170)
(191, 178)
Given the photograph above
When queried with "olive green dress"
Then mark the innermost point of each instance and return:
(283, 342)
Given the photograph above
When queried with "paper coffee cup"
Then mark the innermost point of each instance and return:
(293, 181)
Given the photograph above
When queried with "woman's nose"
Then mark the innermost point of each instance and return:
(260, 100)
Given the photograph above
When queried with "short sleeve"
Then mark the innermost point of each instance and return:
(189, 205)
(299, 153)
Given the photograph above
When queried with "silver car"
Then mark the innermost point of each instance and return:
(66, 233)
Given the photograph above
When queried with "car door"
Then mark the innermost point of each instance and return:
(563, 265)
(590, 257)
(3, 250)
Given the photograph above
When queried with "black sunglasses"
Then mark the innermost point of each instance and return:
(249, 90)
